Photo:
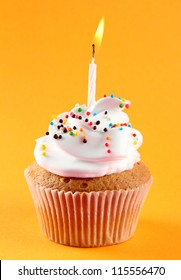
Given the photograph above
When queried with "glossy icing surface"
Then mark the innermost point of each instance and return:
(90, 142)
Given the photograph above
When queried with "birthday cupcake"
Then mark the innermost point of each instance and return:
(88, 183)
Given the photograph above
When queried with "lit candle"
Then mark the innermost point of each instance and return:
(92, 67)
(92, 80)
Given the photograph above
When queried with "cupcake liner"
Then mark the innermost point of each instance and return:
(88, 219)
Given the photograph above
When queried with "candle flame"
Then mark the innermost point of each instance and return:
(99, 34)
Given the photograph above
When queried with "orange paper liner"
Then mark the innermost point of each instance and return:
(88, 219)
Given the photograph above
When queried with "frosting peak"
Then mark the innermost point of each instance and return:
(90, 142)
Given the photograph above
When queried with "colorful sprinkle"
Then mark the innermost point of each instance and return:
(121, 105)
(123, 99)
(54, 116)
(71, 114)
(71, 133)
(43, 147)
(121, 128)
(79, 110)
(119, 98)
(109, 151)
(118, 124)
(76, 133)
(87, 113)
(94, 114)
(129, 125)
(104, 95)
(90, 123)
(134, 134)
(84, 137)
(66, 116)
(51, 123)
(81, 129)
(69, 129)
(108, 138)
(110, 124)
(135, 142)
(65, 121)
(127, 106)
(44, 154)
(112, 95)
(106, 144)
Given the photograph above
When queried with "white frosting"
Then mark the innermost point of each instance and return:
(90, 142)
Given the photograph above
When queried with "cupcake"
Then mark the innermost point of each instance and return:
(88, 183)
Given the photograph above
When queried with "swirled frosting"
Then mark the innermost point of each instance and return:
(90, 142)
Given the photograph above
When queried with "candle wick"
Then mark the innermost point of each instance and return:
(93, 50)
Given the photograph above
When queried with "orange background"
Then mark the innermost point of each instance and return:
(45, 49)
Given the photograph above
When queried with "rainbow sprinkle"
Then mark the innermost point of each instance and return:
(43, 147)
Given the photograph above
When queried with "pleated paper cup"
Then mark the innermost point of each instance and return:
(88, 219)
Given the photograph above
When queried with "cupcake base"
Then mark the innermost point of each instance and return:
(88, 219)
